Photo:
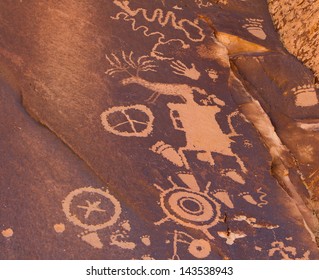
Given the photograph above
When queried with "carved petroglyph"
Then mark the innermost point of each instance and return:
(189, 208)
(253, 222)
(206, 136)
(223, 196)
(93, 217)
(232, 174)
(231, 236)
(189, 180)
(169, 153)
(128, 121)
(199, 248)
(305, 95)
(147, 257)
(286, 252)
(309, 125)
(125, 63)
(255, 27)
(119, 240)
(91, 209)
(191, 29)
(146, 240)
(92, 238)
(207, 3)
(59, 228)
(250, 199)
(212, 74)
(248, 144)
(182, 90)
(7, 233)
(181, 69)
(120, 237)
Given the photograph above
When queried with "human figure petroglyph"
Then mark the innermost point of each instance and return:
(205, 137)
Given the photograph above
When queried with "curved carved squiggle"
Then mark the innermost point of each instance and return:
(262, 198)
(126, 17)
(163, 19)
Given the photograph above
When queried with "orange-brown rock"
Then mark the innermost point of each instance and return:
(140, 130)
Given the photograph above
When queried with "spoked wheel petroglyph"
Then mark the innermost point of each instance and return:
(190, 209)
(135, 120)
(91, 209)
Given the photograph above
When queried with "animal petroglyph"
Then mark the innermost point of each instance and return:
(205, 137)
(199, 248)
(120, 236)
(250, 199)
(253, 222)
(231, 236)
(305, 95)
(94, 217)
(182, 90)
(119, 240)
(255, 27)
(128, 121)
(190, 29)
(146, 240)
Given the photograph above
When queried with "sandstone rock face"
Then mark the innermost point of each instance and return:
(298, 26)
(153, 130)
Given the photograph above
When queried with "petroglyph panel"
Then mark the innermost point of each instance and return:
(166, 152)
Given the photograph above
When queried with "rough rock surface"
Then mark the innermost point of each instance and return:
(153, 129)
(298, 25)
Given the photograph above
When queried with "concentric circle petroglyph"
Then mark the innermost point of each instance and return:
(86, 194)
(190, 209)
